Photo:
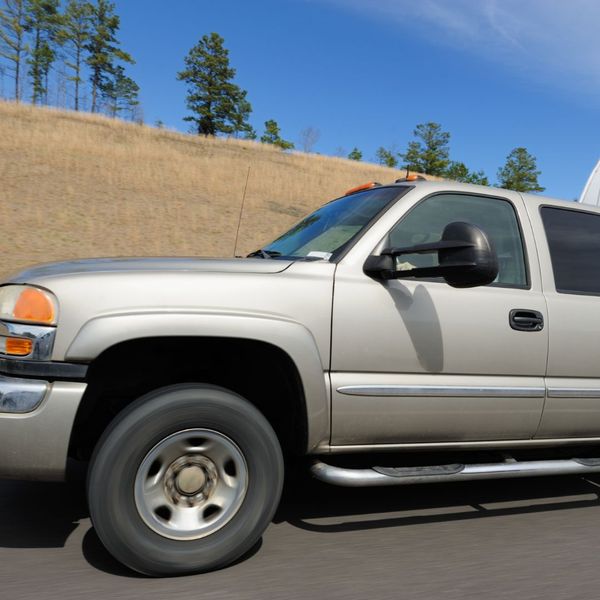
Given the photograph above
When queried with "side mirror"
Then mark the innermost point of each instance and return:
(466, 258)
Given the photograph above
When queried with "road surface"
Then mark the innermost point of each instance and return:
(519, 539)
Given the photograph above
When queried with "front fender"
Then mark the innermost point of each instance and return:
(101, 333)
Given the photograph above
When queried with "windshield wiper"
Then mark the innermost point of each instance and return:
(262, 253)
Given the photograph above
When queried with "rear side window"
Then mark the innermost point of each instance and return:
(574, 241)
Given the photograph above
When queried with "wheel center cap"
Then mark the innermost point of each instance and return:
(190, 480)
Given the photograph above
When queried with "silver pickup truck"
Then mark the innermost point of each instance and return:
(407, 333)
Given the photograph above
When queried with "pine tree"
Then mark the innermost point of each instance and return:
(250, 133)
(355, 154)
(42, 22)
(520, 172)
(217, 104)
(242, 112)
(74, 35)
(103, 49)
(272, 135)
(121, 93)
(458, 171)
(429, 154)
(478, 178)
(386, 157)
(12, 39)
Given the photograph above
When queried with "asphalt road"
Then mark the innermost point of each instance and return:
(519, 539)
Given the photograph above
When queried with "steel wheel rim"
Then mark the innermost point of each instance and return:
(191, 484)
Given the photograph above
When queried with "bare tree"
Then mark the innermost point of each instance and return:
(84, 101)
(340, 152)
(61, 87)
(309, 136)
(136, 113)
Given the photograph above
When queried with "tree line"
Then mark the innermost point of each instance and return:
(75, 44)
(429, 153)
(220, 107)
(80, 36)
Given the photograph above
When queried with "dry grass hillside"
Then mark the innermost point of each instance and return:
(75, 185)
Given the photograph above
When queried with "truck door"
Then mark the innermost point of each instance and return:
(416, 361)
(570, 258)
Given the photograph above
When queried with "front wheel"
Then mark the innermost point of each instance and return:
(185, 480)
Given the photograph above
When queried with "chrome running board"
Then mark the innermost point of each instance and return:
(377, 476)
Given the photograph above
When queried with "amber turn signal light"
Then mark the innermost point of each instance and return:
(34, 305)
(16, 346)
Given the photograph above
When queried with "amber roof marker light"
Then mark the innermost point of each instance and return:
(411, 177)
(361, 188)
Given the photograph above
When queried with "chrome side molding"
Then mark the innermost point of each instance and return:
(453, 391)
(380, 476)
(450, 391)
(556, 392)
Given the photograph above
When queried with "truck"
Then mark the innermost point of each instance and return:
(409, 333)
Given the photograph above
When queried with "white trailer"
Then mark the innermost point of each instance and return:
(591, 191)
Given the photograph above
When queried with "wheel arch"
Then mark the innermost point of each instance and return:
(238, 352)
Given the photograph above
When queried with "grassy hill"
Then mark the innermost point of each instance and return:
(75, 185)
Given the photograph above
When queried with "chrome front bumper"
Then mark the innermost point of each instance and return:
(21, 395)
(35, 427)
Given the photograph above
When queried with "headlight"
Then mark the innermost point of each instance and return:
(28, 304)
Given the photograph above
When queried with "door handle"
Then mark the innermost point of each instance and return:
(522, 319)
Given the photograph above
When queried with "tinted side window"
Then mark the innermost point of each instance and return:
(574, 241)
(497, 218)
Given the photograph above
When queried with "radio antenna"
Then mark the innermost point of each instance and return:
(237, 233)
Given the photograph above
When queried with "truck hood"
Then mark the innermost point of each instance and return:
(166, 264)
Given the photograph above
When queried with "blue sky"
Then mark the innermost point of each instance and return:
(495, 73)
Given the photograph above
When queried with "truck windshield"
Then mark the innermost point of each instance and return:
(329, 229)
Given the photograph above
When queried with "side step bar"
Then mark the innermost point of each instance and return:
(377, 476)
